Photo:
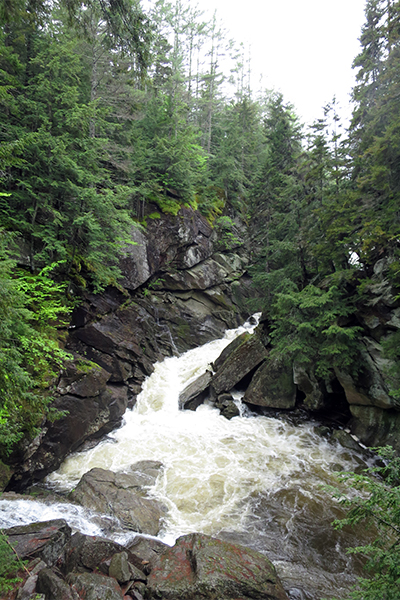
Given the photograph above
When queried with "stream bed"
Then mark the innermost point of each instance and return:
(254, 480)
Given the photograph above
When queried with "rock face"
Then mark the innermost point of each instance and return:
(199, 566)
(372, 386)
(85, 419)
(375, 426)
(121, 495)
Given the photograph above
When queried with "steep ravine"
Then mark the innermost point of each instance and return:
(178, 291)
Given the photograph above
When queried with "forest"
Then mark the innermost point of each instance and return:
(106, 109)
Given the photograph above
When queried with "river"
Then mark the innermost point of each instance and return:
(254, 479)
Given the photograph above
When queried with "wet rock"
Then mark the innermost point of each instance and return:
(46, 540)
(346, 440)
(147, 549)
(315, 395)
(242, 355)
(227, 406)
(122, 570)
(375, 426)
(371, 387)
(199, 566)
(195, 393)
(87, 553)
(93, 586)
(54, 587)
(117, 494)
(272, 386)
(142, 474)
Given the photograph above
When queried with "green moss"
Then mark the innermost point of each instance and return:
(85, 366)
(183, 330)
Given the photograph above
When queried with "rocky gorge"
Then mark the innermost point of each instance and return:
(181, 289)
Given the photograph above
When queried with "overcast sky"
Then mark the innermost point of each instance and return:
(304, 48)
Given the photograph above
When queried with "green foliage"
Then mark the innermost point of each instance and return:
(228, 236)
(311, 328)
(29, 350)
(377, 506)
(10, 564)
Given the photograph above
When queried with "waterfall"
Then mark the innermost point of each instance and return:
(253, 479)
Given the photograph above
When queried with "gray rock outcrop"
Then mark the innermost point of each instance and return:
(179, 292)
(121, 495)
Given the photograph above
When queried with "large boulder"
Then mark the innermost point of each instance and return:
(121, 495)
(46, 540)
(88, 553)
(53, 586)
(94, 586)
(123, 570)
(236, 361)
(196, 392)
(199, 566)
(272, 386)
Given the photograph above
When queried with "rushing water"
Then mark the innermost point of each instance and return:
(253, 479)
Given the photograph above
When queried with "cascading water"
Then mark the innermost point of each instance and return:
(253, 479)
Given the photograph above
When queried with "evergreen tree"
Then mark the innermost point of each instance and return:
(375, 132)
(276, 210)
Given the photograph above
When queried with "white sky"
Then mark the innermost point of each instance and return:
(304, 48)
